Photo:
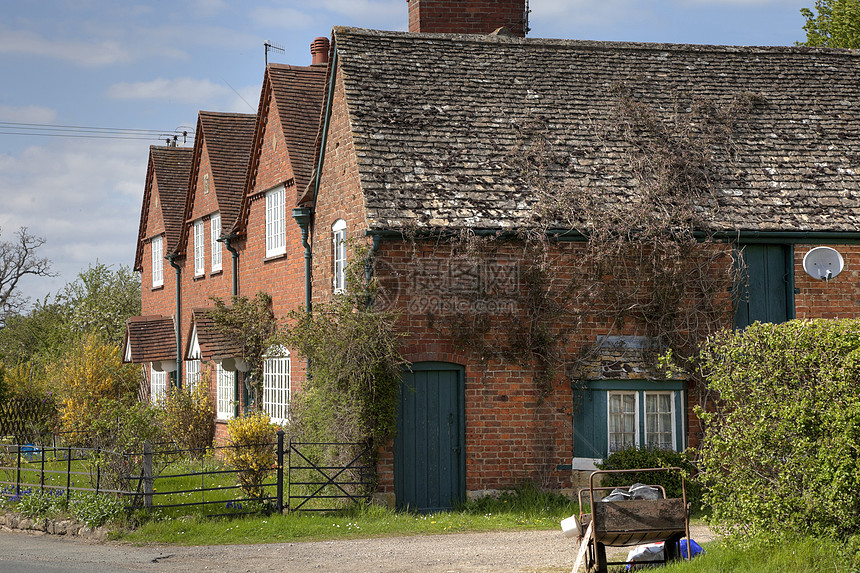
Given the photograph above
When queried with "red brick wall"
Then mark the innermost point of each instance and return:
(837, 298)
(340, 197)
(156, 300)
(282, 277)
(466, 16)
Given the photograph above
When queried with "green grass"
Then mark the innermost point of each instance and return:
(526, 509)
(806, 555)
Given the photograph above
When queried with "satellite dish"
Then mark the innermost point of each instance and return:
(823, 263)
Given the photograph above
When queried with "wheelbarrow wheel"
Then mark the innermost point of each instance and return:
(601, 558)
(595, 561)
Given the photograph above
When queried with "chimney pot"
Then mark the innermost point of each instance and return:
(319, 51)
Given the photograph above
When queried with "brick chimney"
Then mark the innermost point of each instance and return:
(319, 51)
(468, 16)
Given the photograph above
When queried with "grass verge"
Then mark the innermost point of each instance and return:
(526, 509)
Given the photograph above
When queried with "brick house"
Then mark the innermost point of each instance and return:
(418, 135)
(231, 234)
(416, 142)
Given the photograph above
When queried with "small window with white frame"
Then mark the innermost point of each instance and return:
(157, 244)
(622, 418)
(157, 385)
(276, 385)
(199, 248)
(215, 233)
(338, 234)
(276, 225)
(192, 374)
(224, 391)
(659, 420)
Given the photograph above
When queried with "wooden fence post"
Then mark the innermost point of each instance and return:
(279, 504)
(147, 475)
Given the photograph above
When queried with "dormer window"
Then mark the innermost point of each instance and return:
(338, 233)
(157, 261)
(199, 260)
(276, 231)
(215, 233)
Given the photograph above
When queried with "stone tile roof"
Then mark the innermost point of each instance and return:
(169, 168)
(298, 94)
(228, 138)
(213, 344)
(149, 339)
(436, 120)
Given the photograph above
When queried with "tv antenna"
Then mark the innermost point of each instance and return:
(272, 47)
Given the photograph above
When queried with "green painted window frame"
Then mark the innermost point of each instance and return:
(591, 416)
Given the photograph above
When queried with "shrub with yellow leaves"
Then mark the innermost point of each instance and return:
(251, 441)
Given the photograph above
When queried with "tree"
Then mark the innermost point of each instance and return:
(837, 24)
(250, 324)
(18, 259)
(101, 299)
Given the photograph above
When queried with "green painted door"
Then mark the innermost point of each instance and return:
(765, 295)
(429, 449)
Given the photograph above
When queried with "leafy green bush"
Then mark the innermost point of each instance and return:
(637, 458)
(91, 508)
(780, 452)
(189, 417)
(96, 510)
(251, 450)
(42, 503)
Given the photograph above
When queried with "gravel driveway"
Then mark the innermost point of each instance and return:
(499, 552)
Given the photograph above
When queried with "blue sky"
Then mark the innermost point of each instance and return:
(152, 65)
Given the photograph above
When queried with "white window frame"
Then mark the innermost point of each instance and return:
(338, 238)
(614, 393)
(276, 224)
(157, 384)
(671, 395)
(276, 385)
(198, 234)
(157, 247)
(215, 232)
(224, 393)
(192, 374)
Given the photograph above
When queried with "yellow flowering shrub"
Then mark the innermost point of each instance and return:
(90, 373)
(251, 450)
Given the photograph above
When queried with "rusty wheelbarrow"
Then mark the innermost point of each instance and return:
(630, 522)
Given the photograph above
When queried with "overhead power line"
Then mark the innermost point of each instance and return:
(88, 132)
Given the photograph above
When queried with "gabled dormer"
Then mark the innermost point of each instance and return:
(285, 134)
(218, 172)
(162, 212)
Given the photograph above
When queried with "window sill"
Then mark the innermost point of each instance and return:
(159, 287)
(216, 273)
(198, 277)
(277, 257)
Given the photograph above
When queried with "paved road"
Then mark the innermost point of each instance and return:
(500, 552)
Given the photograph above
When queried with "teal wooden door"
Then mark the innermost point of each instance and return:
(429, 449)
(765, 295)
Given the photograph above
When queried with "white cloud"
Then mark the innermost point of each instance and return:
(282, 17)
(27, 114)
(377, 10)
(208, 8)
(188, 90)
(83, 199)
(90, 54)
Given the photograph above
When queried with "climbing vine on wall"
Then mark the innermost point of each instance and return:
(646, 262)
